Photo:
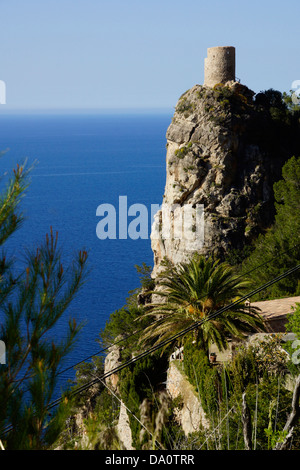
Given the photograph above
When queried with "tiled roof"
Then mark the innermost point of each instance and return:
(271, 309)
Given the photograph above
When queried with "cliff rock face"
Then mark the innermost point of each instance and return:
(224, 152)
(191, 417)
(112, 361)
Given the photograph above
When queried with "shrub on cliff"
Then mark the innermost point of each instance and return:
(281, 242)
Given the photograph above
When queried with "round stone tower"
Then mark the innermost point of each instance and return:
(219, 66)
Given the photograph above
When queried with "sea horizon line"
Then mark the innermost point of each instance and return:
(87, 111)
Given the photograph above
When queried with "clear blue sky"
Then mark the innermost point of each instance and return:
(136, 53)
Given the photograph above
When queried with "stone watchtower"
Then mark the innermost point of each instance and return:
(219, 66)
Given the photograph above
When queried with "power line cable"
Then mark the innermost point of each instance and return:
(157, 444)
(179, 334)
(140, 330)
(217, 427)
(173, 338)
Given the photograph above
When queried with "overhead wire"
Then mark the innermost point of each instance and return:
(115, 343)
(124, 338)
(179, 334)
(156, 442)
(174, 337)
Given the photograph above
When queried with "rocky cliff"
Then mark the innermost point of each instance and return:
(225, 150)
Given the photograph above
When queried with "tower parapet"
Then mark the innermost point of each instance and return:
(219, 66)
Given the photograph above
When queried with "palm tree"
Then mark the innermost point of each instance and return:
(191, 292)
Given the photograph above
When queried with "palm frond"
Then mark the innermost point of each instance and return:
(194, 291)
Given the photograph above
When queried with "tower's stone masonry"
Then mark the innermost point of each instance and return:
(219, 66)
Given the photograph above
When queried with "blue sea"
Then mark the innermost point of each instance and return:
(80, 162)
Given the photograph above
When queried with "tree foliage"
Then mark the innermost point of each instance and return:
(31, 304)
(191, 292)
(281, 243)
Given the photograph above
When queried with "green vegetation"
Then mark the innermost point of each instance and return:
(145, 278)
(183, 151)
(257, 372)
(206, 382)
(256, 382)
(126, 322)
(292, 346)
(220, 388)
(184, 106)
(280, 106)
(226, 104)
(230, 97)
(32, 303)
(292, 105)
(122, 323)
(192, 292)
(281, 242)
(139, 386)
(93, 415)
(140, 391)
